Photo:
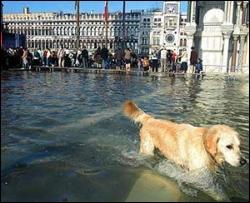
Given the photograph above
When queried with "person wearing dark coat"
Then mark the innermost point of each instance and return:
(104, 55)
(193, 59)
(85, 57)
(118, 58)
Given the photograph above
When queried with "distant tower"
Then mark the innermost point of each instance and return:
(171, 7)
(171, 13)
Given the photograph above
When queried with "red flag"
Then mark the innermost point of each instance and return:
(106, 11)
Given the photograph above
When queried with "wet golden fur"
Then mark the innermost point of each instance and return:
(190, 147)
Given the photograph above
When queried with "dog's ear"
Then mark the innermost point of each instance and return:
(211, 139)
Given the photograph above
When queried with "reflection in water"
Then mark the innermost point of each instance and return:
(67, 131)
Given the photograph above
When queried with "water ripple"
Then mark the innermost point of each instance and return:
(77, 119)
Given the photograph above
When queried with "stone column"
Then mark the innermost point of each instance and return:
(226, 11)
(233, 62)
(246, 54)
(242, 40)
(236, 34)
(227, 29)
(225, 68)
(190, 29)
(238, 13)
(231, 11)
(244, 13)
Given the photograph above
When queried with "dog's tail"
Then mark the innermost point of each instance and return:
(135, 113)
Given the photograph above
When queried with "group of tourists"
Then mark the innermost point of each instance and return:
(127, 59)
(170, 61)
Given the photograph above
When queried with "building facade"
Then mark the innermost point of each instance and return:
(50, 30)
(145, 31)
(219, 31)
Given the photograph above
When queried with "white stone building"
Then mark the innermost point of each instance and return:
(50, 30)
(219, 31)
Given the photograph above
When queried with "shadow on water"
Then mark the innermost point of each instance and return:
(30, 179)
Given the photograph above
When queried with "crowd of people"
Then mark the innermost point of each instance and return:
(166, 60)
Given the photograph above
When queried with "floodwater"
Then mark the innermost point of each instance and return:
(64, 138)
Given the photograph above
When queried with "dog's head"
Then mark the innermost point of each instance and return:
(223, 144)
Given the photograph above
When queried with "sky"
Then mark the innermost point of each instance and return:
(85, 6)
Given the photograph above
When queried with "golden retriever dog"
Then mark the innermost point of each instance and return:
(190, 147)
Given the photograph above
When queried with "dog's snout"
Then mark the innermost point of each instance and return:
(242, 161)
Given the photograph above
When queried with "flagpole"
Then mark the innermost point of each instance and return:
(78, 25)
(2, 27)
(106, 24)
(123, 22)
(106, 39)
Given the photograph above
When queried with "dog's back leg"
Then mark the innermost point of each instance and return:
(147, 145)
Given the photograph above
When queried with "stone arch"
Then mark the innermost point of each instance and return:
(61, 43)
(95, 31)
(95, 44)
(51, 44)
(112, 31)
(69, 43)
(54, 31)
(60, 29)
(88, 44)
(87, 31)
(80, 31)
(214, 15)
(43, 44)
(46, 43)
(37, 45)
(73, 43)
(83, 31)
(56, 44)
(69, 31)
(115, 31)
(31, 44)
(91, 31)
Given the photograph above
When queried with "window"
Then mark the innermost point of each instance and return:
(156, 40)
(181, 42)
(170, 22)
(185, 42)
